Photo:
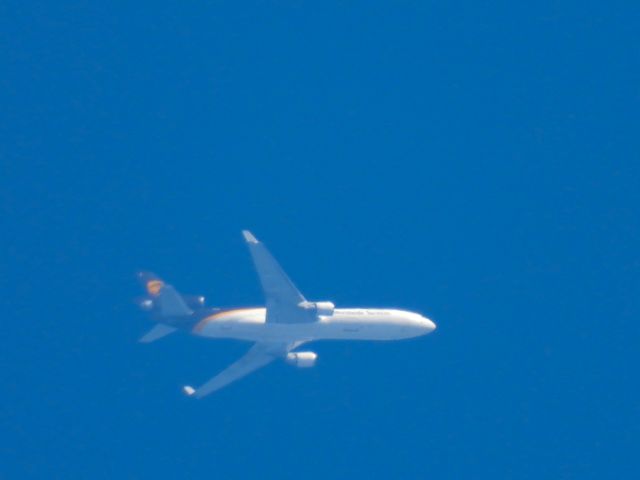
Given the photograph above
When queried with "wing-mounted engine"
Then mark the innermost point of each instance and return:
(301, 359)
(324, 309)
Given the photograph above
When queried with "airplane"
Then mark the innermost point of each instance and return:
(287, 321)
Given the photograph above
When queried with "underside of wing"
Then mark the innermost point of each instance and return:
(258, 356)
(283, 300)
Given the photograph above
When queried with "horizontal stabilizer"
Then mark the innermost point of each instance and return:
(157, 333)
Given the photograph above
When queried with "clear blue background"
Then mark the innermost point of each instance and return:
(477, 162)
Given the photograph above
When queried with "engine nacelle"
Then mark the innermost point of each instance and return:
(194, 301)
(324, 309)
(301, 359)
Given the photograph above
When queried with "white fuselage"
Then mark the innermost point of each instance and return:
(345, 324)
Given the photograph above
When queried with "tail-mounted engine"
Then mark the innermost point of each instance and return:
(301, 359)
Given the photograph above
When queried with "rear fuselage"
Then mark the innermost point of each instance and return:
(345, 324)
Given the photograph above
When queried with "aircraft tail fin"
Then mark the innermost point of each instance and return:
(161, 297)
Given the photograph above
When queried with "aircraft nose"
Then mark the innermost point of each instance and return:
(429, 325)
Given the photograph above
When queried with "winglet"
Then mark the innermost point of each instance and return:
(188, 390)
(248, 236)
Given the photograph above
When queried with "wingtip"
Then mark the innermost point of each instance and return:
(248, 236)
(188, 390)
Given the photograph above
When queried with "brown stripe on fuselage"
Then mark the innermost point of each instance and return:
(218, 315)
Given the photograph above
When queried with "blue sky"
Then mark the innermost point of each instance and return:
(477, 163)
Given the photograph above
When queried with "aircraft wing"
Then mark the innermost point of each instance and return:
(261, 354)
(281, 296)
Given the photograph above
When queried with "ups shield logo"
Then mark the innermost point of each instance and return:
(154, 287)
